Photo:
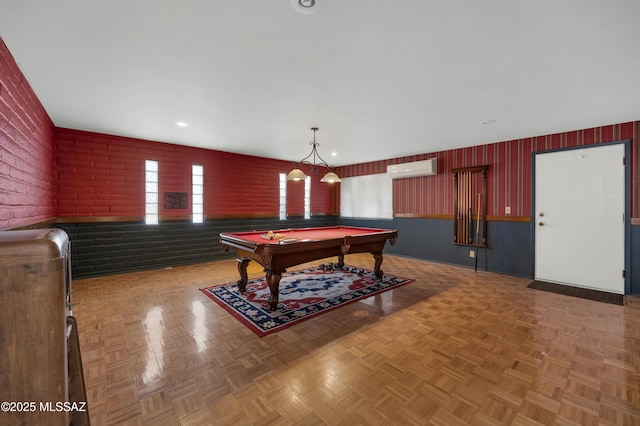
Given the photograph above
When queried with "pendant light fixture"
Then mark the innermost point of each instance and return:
(297, 174)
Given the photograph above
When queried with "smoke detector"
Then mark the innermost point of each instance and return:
(306, 7)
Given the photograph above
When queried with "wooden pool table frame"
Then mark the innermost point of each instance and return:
(276, 256)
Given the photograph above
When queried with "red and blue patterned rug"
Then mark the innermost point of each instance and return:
(303, 295)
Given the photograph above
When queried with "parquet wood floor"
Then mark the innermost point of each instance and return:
(453, 348)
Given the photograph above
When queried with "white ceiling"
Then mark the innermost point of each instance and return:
(380, 78)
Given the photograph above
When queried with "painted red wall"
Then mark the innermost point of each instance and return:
(103, 175)
(27, 150)
(509, 175)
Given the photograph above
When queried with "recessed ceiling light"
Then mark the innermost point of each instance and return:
(306, 7)
(181, 124)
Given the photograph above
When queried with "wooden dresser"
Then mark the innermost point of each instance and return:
(40, 364)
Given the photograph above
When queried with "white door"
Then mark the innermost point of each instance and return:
(579, 222)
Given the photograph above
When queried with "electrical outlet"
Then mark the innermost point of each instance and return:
(507, 210)
(472, 253)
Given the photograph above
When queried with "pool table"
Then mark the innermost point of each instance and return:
(278, 250)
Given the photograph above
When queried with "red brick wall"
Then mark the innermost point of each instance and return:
(27, 150)
(103, 175)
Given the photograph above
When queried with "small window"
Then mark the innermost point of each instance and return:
(283, 196)
(151, 192)
(197, 193)
(307, 197)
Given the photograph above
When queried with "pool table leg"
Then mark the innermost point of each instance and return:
(243, 262)
(378, 261)
(340, 260)
(273, 279)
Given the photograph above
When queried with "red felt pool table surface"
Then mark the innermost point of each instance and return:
(296, 246)
(305, 234)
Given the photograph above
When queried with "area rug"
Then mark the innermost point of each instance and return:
(583, 293)
(304, 294)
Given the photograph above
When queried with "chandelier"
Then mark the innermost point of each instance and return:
(297, 174)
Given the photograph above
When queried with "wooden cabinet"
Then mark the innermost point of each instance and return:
(38, 338)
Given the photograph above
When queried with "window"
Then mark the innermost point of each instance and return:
(470, 205)
(151, 192)
(283, 196)
(197, 193)
(307, 197)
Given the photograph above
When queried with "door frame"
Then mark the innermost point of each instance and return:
(627, 205)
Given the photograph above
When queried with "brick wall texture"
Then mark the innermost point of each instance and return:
(103, 175)
(48, 172)
(27, 150)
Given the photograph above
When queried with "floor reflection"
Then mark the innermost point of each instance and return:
(153, 324)
(199, 331)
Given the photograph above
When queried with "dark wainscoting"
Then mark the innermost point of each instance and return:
(106, 248)
(508, 251)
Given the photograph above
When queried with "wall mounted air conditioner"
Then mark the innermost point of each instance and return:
(416, 168)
